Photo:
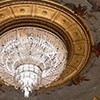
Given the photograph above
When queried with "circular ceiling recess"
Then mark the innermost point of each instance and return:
(42, 44)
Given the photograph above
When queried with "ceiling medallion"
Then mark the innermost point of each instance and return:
(42, 45)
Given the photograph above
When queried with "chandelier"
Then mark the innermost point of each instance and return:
(31, 58)
(42, 45)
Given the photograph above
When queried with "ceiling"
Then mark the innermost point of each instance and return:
(85, 90)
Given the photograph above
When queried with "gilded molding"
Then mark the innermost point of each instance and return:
(47, 14)
(95, 98)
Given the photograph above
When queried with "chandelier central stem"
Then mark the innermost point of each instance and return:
(28, 77)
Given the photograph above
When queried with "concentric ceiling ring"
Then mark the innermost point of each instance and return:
(58, 19)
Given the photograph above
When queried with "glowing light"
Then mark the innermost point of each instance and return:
(31, 58)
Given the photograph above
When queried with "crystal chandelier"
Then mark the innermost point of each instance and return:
(31, 58)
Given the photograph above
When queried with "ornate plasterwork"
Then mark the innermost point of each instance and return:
(47, 14)
(95, 98)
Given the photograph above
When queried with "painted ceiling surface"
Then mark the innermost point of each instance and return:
(85, 87)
